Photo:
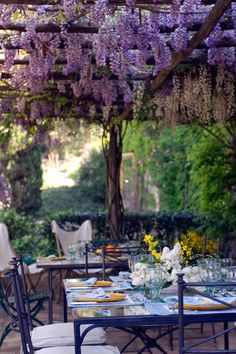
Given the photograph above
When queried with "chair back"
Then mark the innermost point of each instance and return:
(6, 301)
(22, 313)
(18, 266)
(226, 314)
(65, 238)
(6, 249)
(117, 255)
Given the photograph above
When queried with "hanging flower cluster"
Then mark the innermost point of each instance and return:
(101, 65)
(203, 95)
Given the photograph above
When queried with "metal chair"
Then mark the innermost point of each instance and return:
(109, 257)
(7, 303)
(59, 334)
(23, 322)
(188, 317)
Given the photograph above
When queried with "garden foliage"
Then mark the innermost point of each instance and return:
(34, 238)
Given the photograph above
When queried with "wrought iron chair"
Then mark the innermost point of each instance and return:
(54, 334)
(226, 314)
(117, 255)
(24, 321)
(7, 303)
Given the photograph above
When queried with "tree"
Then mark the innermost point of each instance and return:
(163, 155)
(214, 174)
(25, 176)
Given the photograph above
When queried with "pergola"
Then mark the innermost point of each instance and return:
(104, 60)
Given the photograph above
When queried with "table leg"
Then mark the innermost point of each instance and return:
(64, 306)
(50, 293)
(77, 333)
(226, 336)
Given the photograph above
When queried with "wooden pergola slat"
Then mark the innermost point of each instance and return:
(79, 28)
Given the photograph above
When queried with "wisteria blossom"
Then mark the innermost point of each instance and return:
(99, 51)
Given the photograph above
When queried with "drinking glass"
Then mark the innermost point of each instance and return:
(155, 278)
(80, 246)
(230, 277)
(225, 264)
(210, 269)
(134, 260)
(72, 252)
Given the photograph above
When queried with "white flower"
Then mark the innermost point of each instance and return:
(173, 275)
(171, 258)
(138, 275)
(165, 251)
(140, 266)
(192, 274)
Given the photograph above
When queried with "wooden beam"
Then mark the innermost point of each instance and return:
(76, 77)
(227, 43)
(77, 28)
(50, 27)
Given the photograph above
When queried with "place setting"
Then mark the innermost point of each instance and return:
(76, 284)
(101, 297)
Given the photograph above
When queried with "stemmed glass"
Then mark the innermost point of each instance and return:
(72, 252)
(210, 272)
(155, 278)
(134, 260)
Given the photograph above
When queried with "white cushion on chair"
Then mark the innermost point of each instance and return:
(61, 334)
(96, 349)
(33, 269)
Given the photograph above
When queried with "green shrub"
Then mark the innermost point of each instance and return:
(34, 238)
(28, 236)
(166, 226)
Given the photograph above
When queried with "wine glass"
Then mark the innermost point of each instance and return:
(72, 252)
(211, 272)
(132, 261)
(155, 278)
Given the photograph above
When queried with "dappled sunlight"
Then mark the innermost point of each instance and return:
(57, 172)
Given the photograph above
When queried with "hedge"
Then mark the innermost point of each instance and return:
(35, 238)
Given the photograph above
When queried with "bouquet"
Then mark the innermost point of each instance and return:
(172, 260)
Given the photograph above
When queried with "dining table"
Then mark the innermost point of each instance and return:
(135, 314)
(60, 263)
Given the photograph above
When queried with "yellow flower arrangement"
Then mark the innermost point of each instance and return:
(152, 245)
(194, 245)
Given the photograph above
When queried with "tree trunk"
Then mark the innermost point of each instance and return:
(112, 145)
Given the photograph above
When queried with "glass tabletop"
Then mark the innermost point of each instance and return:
(110, 311)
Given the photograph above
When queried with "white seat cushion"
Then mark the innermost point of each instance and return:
(62, 334)
(33, 269)
(96, 349)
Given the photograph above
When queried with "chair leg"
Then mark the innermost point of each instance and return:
(214, 331)
(171, 339)
(5, 332)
